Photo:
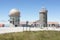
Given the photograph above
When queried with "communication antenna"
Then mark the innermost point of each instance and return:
(43, 6)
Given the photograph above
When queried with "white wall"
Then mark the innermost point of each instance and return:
(21, 29)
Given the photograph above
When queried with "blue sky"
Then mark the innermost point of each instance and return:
(30, 9)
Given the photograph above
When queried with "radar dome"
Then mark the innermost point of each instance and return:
(14, 12)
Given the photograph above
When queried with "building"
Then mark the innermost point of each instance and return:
(49, 24)
(37, 23)
(14, 15)
(1, 25)
(43, 17)
(26, 24)
(14, 20)
(53, 24)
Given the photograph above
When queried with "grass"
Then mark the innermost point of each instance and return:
(40, 35)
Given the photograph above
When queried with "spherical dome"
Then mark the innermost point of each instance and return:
(43, 10)
(14, 12)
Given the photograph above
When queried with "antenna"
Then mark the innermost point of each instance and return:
(43, 6)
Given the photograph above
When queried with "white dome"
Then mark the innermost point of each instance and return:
(14, 12)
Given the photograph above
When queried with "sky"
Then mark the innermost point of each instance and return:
(29, 9)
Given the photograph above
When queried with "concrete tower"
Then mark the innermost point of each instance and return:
(43, 17)
(14, 15)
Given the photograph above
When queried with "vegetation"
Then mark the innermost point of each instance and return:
(41, 35)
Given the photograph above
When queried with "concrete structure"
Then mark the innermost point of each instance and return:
(53, 24)
(49, 24)
(14, 17)
(26, 24)
(43, 17)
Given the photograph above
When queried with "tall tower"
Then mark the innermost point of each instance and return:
(43, 17)
(14, 15)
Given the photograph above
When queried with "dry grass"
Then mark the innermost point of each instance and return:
(41, 35)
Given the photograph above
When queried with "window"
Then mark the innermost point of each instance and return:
(10, 21)
(15, 25)
(53, 24)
